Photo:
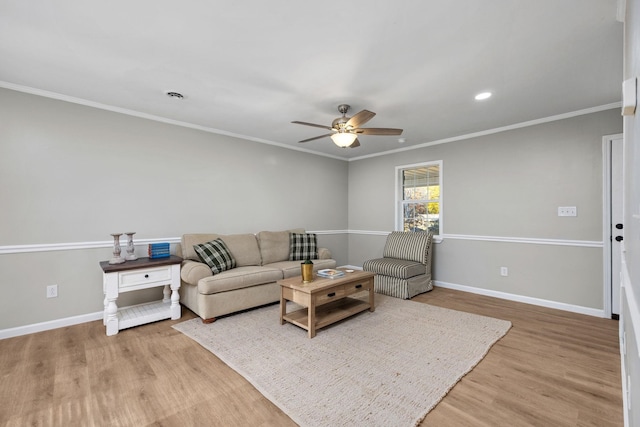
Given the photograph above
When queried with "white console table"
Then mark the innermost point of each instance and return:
(139, 274)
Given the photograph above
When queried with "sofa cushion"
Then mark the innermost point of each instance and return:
(238, 278)
(216, 255)
(399, 268)
(302, 246)
(244, 248)
(274, 245)
(408, 245)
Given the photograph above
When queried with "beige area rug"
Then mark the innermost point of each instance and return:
(386, 368)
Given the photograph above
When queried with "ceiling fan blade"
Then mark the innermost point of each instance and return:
(378, 131)
(361, 118)
(355, 144)
(316, 137)
(312, 124)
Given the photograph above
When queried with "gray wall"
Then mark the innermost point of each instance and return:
(71, 173)
(630, 318)
(500, 187)
(74, 174)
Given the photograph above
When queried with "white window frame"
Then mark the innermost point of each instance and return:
(399, 220)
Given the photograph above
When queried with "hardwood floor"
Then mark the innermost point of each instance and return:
(553, 368)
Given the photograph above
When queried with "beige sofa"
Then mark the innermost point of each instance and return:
(261, 260)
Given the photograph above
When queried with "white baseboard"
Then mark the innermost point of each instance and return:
(520, 298)
(75, 320)
(53, 324)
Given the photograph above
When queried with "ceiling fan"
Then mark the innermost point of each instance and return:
(345, 130)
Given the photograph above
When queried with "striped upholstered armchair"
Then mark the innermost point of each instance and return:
(404, 271)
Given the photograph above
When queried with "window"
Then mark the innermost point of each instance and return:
(419, 197)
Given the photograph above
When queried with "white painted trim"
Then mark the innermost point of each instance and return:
(397, 220)
(632, 323)
(633, 304)
(69, 321)
(436, 239)
(80, 101)
(370, 232)
(327, 232)
(53, 324)
(497, 130)
(50, 247)
(74, 100)
(606, 220)
(526, 240)
(621, 11)
(521, 298)
(625, 392)
(607, 142)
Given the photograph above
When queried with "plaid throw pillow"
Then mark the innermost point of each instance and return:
(216, 255)
(302, 246)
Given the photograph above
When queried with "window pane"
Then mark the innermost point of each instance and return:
(415, 193)
(421, 183)
(434, 192)
(420, 197)
(422, 217)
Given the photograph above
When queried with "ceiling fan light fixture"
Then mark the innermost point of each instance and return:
(343, 139)
(483, 95)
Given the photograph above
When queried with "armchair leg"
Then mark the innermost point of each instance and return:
(210, 320)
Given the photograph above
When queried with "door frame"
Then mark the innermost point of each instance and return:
(607, 141)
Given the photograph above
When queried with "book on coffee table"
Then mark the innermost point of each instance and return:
(330, 273)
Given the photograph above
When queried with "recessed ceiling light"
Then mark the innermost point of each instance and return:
(175, 95)
(402, 140)
(483, 95)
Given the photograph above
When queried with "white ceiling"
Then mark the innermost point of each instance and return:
(248, 68)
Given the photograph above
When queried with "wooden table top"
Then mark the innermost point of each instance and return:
(140, 263)
(321, 283)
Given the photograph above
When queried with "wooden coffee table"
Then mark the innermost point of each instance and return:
(325, 301)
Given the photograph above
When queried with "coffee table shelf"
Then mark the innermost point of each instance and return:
(327, 314)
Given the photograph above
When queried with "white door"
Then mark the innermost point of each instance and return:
(616, 226)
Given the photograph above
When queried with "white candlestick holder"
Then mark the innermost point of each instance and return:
(130, 247)
(117, 259)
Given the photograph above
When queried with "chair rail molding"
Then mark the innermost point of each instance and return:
(527, 240)
(51, 247)
(502, 239)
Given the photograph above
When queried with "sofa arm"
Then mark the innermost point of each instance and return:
(192, 271)
(324, 253)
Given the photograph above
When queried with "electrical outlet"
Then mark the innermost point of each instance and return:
(568, 211)
(504, 271)
(52, 291)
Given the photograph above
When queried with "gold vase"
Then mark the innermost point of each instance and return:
(307, 271)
